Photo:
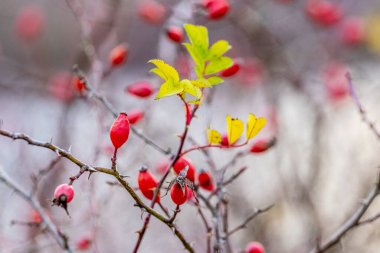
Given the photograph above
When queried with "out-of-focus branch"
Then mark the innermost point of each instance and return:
(248, 219)
(360, 107)
(351, 223)
(58, 236)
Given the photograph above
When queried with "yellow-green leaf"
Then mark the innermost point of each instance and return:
(218, 64)
(218, 49)
(189, 88)
(214, 80)
(165, 71)
(169, 89)
(235, 128)
(201, 83)
(254, 125)
(198, 36)
(213, 136)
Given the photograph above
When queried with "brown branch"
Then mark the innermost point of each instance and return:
(351, 223)
(119, 178)
(205, 223)
(59, 237)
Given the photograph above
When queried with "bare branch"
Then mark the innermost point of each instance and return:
(59, 237)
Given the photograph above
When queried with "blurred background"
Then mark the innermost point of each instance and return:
(293, 56)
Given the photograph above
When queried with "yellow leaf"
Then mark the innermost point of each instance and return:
(213, 136)
(165, 71)
(169, 89)
(372, 35)
(235, 128)
(254, 125)
(189, 88)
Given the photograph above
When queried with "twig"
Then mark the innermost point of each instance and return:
(360, 107)
(58, 236)
(351, 223)
(248, 219)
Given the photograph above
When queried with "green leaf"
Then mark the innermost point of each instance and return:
(169, 88)
(218, 65)
(165, 71)
(218, 49)
(189, 88)
(215, 80)
(198, 35)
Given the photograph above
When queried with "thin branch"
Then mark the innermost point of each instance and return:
(248, 219)
(120, 179)
(351, 223)
(360, 107)
(58, 236)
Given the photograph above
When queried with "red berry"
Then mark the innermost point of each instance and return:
(134, 116)
(147, 184)
(175, 33)
(179, 195)
(118, 55)
(217, 9)
(29, 23)
(205, 181)
(181, 163)
(324, 12)
(84, 243)
(119, 131)
(190, 195)
(231, 70)
(262, 145)
(140, 89)
(254, 247)
(352, 31)
(224, 141)
(78, 84)
(64, 193)
(152, 12)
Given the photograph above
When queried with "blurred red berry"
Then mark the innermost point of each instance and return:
(324, 12)
(29, 23)
(35, 217)
(335, 80)
(60, 86)
(152, 12)
(175, 33)
(231, 70)
(251, 72)
(205, 181)
(134, 116)
(162, 166)
(118, 55)
(262, 145)
(181, 163)
(84, 243)
(147, 184)
(352, 31)
(254, 247)
(119, 131)
(190, 195)
(140, 89)
(217, 8)
(179, 195)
